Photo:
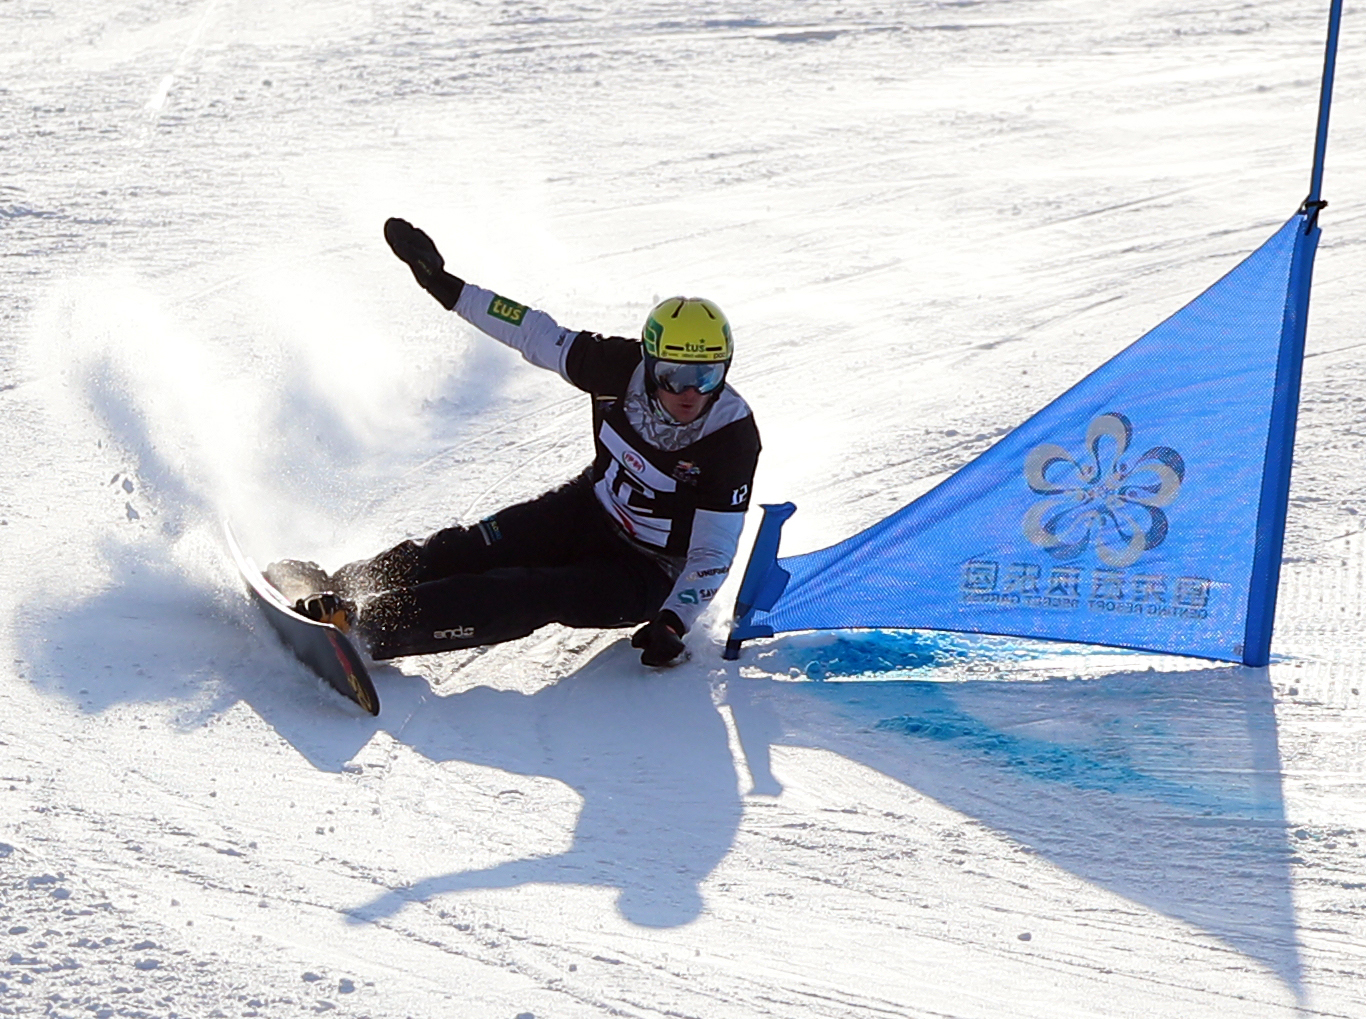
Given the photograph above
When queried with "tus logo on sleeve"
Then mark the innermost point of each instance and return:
(509, 311)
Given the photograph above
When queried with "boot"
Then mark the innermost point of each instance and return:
(296, 579)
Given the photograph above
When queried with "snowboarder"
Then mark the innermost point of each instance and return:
(646, 534)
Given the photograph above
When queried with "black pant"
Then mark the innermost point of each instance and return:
(555, 559)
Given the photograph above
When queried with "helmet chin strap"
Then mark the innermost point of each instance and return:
(657, 409)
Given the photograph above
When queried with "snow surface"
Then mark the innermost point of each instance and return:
(925, 220)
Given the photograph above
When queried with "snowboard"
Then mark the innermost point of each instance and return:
(320, 646)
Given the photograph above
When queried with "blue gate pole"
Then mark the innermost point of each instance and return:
(1280, 447)
(1330, 59)
(763, 580)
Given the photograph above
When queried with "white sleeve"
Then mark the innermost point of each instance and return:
(533, 334)
(715, 537)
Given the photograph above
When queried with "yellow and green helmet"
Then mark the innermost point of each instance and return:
(687, 344)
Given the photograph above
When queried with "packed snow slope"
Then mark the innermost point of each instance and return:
(925, 220)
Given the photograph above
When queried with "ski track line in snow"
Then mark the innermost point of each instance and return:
(157, 101)
(551, 448)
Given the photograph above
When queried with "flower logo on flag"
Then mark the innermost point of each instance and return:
(1101, 498)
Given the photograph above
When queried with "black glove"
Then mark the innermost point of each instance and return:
(414, 247)
(661, 640)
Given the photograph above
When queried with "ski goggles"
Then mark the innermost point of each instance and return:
(676, 376)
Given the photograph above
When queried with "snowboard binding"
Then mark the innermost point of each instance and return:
(327, 607)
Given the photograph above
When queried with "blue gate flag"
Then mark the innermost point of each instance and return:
(1144, 508)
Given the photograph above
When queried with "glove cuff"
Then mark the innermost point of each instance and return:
(444, 287)
(670, 619)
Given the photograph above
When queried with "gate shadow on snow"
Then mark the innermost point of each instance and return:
(1164, 788)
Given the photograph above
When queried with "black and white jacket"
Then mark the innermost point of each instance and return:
(678, 492)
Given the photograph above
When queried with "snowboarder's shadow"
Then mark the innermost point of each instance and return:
(648, 754)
